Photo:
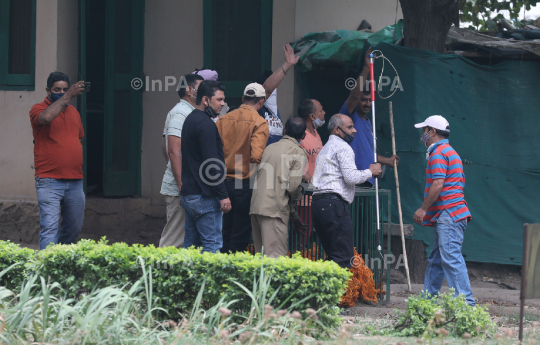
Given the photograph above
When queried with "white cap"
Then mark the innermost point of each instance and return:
(435, 121)
(257, 88)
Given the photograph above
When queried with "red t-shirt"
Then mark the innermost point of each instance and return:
(58, 152)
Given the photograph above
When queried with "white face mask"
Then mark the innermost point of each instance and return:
(318, 123)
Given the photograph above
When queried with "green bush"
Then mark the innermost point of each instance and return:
(179, 273)
(10, 254)
(441, 316)
(41, 314)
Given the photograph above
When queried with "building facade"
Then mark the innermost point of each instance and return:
(115, 43)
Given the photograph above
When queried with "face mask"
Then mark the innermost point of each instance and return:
(424, 138)
(348, 138)
(56, 96)
(318, 123)
(210, 112)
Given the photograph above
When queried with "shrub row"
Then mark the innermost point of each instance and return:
(179, 273)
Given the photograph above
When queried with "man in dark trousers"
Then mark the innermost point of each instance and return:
(203, 193)
(58, 161)
(244, 133)
(334, 179)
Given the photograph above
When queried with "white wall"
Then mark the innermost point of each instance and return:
(324, 15)
(284, 13)
(173, 47)
(17, 153)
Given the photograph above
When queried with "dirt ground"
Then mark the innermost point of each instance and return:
(496, 286)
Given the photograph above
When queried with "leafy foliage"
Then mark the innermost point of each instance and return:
(179, 274)
(116, 315)
(442, 315)
(481, 13)
(11, 253)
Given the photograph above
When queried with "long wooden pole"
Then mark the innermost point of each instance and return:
(399, 198)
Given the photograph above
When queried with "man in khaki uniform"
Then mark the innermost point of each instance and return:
(277, 190)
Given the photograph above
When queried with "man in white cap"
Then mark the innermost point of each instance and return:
(244, 134)
(444, 208)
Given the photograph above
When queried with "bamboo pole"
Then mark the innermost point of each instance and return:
(399, 198)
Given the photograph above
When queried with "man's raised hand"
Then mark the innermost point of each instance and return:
(289, 55)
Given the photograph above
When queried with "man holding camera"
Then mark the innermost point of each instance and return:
(58, 161)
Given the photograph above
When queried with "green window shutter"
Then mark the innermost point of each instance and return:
(17, 44)
(237, 44)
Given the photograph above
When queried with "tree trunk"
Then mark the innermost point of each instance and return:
(427, 23)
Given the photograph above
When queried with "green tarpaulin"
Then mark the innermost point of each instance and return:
(342, 47)
(493, 113)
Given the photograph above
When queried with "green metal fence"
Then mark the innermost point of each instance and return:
(363, 215)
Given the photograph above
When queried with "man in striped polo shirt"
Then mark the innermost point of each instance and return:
(444, 208)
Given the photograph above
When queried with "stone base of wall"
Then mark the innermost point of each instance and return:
(130, 220)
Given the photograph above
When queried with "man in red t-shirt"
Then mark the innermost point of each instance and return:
(58, 161)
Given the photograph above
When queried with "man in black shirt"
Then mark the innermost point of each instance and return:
(202, 191)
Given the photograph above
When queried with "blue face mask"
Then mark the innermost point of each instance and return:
(56, 96)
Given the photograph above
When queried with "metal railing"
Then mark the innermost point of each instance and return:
(363, 216)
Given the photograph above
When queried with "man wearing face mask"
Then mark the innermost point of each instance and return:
(173, 232)
(58, 161)
(189, 97)
(444, 208)
(312, 112)
(244, 133)
(358, 108)
(334, 180)
(203, 194)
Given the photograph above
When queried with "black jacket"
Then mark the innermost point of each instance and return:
(203, 163)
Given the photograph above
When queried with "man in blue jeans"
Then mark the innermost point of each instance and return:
(202, 189)
(444, 208)
(58, 161)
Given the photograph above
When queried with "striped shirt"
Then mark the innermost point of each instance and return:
(335, 170)
(445, 163)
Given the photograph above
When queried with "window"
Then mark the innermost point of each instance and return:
(17, 44)
(237, 42)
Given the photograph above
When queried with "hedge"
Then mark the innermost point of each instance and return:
(179, 273)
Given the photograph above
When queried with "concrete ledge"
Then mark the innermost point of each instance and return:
(130, 220)
(408, 229)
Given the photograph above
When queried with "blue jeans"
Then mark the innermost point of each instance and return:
(203, 222)
(446, 259)
(59, 197)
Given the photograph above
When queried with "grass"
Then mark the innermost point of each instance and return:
(41, 314)
(117, 315)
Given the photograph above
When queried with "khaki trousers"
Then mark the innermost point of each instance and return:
(271, 234)
(174, 231)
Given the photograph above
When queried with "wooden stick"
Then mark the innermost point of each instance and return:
(399, 198)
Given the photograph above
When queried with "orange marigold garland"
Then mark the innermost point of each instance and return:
(360, 284)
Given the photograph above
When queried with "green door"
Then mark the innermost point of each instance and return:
(123, 103)
(81, 101)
